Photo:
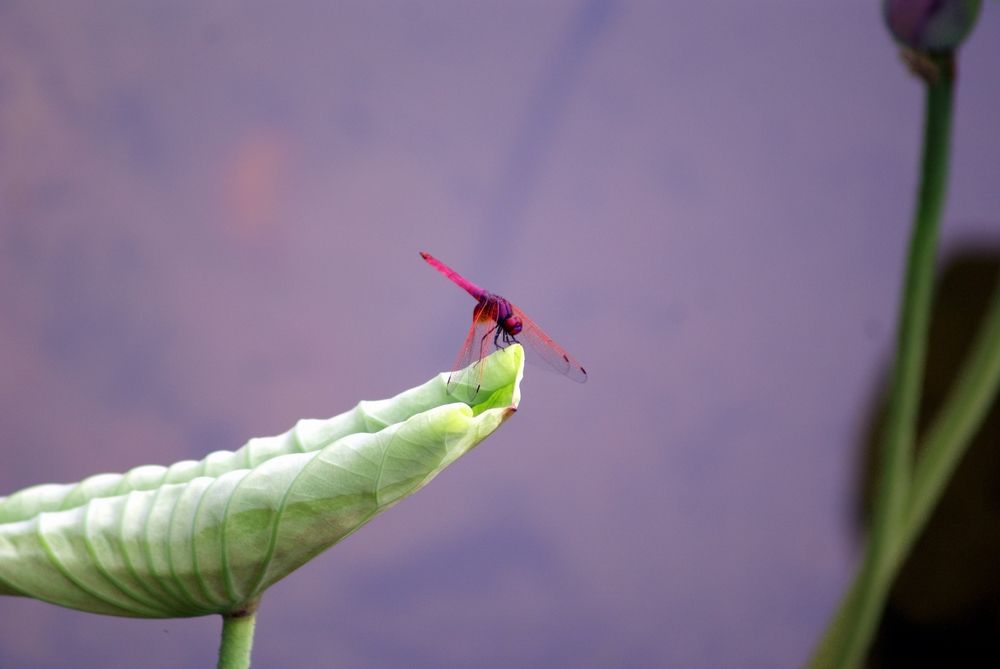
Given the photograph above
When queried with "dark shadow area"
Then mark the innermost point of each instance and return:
(944, 609)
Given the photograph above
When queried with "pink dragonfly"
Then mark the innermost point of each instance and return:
(496, 318)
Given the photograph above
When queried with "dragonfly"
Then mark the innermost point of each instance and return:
(496, 324)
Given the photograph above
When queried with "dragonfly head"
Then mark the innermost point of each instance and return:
(512, 324)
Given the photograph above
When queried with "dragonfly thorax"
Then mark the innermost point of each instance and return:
(502, 312)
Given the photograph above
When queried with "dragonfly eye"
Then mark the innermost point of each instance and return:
(512, 324)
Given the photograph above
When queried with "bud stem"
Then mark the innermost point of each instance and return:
(851, 631)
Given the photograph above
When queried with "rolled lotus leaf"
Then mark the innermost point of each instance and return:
(210, 536)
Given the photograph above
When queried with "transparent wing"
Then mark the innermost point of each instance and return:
(546, 350)
(467, 372)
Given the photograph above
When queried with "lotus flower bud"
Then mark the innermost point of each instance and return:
(931, 25)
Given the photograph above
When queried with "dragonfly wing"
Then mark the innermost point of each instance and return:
(467, 372)
(547, 350)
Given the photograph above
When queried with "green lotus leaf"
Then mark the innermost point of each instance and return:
(210, 536)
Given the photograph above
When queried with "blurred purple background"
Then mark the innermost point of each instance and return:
(210, 215)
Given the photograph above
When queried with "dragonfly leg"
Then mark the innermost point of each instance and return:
(508, 338)
(496, 333)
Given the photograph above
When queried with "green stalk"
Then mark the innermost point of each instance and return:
(946, 441)
(849, 638)
(237, 638)
(967, 406)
